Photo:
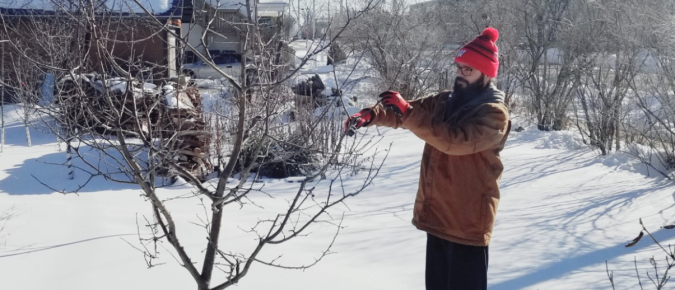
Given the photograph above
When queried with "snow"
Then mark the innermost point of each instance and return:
(209, 84)
(182, 101)
(115, 85)
(149, 86)
(155, 6)
(265, 7)
(554, 139)
(230, 3)
(317, 63)
(337, 108)
(226, 4)
(564, 211)
(120, 86)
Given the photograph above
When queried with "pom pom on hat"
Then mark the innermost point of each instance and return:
(491, 33)
(481, 53)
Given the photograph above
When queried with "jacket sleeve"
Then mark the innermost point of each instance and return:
(481, 129)
(385, 118)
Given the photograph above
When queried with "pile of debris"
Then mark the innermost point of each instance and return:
(138, 110)
(86, 102)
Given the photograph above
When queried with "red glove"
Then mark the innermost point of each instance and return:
(358, 120)
(393, 100)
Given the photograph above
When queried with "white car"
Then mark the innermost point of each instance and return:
(227, 63)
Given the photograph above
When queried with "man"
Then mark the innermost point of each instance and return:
(465, 130)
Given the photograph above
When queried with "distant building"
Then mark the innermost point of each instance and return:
(148, 43)
(225, 35)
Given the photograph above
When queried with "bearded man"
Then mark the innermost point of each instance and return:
(465, 130)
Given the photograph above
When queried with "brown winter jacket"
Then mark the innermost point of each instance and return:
(458, 190)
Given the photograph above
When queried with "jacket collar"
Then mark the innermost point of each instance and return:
(490, 95)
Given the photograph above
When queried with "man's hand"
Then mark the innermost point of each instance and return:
(393, 100)
(358, 120)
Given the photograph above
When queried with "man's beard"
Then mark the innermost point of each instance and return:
(469, 90)
(462, 94)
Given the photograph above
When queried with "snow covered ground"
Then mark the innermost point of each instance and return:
(564, 211)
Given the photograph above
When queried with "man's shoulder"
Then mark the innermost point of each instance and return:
(434, 98)
(495, 94)
(492, 100)
(441, 94)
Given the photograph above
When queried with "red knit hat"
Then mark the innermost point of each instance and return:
(481, 53)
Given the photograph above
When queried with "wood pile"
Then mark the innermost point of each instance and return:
(173, 115)
(186, 127)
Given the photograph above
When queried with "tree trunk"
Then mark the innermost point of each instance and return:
(602, 148)
(560, 122)
(26, 123)
(217, 215)
(609, 134)
(28, 135)
(617, 127)
(545, 121)
(2, 99)
(589, 123)
(2, 119)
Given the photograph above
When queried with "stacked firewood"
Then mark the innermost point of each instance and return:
(188, 131)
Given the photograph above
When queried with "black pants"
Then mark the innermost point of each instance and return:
(453, 266)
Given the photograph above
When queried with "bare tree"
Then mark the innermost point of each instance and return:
(652, 128)
(648, 125)
(612, 61)
(3, 95)
(550, 75)
(658, 279)
(405, 49)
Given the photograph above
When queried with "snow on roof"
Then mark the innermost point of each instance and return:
(160, 6)
(271, 7)
(125, 6)
(238, 3)
(226, 4)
